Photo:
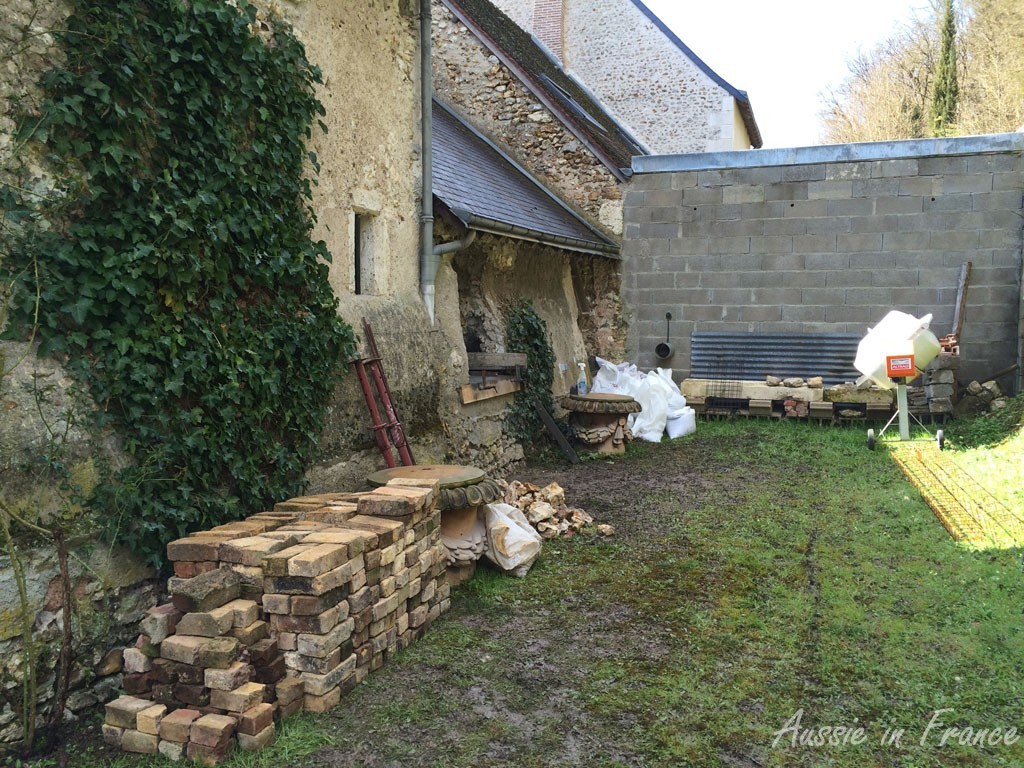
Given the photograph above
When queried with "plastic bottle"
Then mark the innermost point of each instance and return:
(581, 382)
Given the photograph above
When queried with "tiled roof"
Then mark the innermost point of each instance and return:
(487, 191)
(570, 102)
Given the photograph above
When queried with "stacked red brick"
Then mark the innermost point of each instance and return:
(795, 408)
(343, 582)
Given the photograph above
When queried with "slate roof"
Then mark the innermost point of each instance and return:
(487, 191)
(742, 100)
(570, 102)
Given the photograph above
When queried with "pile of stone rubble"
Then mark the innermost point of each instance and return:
(547, 511)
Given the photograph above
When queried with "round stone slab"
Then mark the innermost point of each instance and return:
(447, 475)
(603, 397)
(601, 402)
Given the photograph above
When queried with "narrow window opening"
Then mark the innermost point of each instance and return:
(358, 252)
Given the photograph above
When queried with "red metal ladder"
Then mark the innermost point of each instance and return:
(388, 433)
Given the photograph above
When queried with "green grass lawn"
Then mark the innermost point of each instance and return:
(769, 584)
(991, 449)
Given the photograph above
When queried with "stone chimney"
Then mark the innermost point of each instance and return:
(547, 25)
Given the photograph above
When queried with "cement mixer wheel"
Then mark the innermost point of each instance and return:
(871, 439)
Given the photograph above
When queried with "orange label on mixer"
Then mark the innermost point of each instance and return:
(899, 366)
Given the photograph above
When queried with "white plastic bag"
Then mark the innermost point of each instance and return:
(652, 394)
(512, 543)
(676, 401)
(684, 424)
(612, 378)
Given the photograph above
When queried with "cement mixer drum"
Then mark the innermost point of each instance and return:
(898, 333)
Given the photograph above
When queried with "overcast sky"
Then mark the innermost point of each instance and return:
(784, 53)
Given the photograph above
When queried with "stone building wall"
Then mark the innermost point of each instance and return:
(575, 295)
(654, 89)
(370, 159)
(665, 99)
(472, 80)
(828, 239)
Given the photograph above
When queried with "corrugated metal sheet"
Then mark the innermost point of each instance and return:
(752, 356)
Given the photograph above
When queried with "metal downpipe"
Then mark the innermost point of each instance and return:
(428, 260)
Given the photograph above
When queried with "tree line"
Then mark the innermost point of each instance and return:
(956, 70)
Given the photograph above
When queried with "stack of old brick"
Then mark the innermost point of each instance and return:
(282, 612)
(795, 408)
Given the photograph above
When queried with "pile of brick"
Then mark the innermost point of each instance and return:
(282, 612)
(793, 408)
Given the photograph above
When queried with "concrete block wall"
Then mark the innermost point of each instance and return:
(827, 240)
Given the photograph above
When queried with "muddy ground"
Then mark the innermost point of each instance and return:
(516, 696)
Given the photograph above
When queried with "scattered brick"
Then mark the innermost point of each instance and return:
(194, 549)
(137, 741)
(122, 712)
(289, 690)
(322, 702)
(263, 652)
(271, 672)
(240, 699)
(148, 720)
(245, 612)
(159, 622)
(318, 559)
(182, 648)
(208, 756)
(192, 695)
(204, 592)
(172, 750)
(112, 735)
(228, 679)
(276, 564)
(219, 652)
(212, 623)
(212, 730)
(258, 741)
(256, 719)
(176, 725)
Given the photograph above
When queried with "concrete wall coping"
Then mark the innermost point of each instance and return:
(831, 153)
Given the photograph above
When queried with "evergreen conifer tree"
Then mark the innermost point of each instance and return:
(947, 88)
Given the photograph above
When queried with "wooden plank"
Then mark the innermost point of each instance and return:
(961, 298)
(555, 432)
(490, 361)
(472, 393)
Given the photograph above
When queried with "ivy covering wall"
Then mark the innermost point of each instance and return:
(173, 269)
(526, 331)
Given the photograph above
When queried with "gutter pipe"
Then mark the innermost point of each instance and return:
(428, 258)
(455, 245)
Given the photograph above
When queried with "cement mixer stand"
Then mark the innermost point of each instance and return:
(900, 368)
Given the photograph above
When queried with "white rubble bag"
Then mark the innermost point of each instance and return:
(613, 379)
(682, 420)
(649, 424)
(512, 543)
(664, 407)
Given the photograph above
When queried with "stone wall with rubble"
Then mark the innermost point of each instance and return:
(575, 294)
(472, 80)
(370, 165)
(668, 103)
(829, 239)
